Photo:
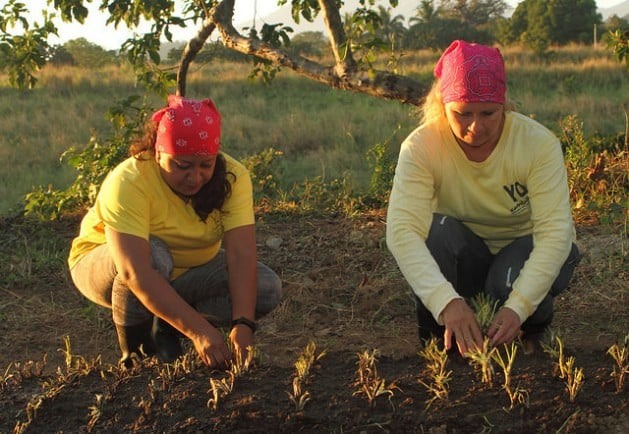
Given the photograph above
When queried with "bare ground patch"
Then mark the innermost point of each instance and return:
(343, 291)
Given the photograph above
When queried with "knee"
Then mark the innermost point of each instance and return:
(443, 227)
(562, 281)
(499, 283)
(275, 290)
(269, 292)
(161, 258)
(451, 237)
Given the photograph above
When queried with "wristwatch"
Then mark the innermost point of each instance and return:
(245, 321)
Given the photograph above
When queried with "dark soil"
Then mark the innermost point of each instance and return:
(343, 292)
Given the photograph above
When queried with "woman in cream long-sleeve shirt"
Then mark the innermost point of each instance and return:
(480, 204)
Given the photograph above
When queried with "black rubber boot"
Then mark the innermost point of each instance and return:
(135, 342)
(166, 340)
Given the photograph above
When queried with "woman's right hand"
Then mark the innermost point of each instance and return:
(211, 347)
(460, 321)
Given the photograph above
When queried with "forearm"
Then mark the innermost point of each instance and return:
(537, 276)
(553, 234)
(420, 269)
(243, 288)
(241, 256)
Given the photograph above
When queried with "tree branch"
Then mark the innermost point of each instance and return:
(338, 40)
(376, 83)
(196, 44)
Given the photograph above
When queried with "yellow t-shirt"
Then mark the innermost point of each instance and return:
(134, 199)
(520, 189)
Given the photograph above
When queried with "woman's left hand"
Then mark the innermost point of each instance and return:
(505, 327)
(241, 338)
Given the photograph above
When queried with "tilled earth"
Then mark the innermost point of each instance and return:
(344, 293)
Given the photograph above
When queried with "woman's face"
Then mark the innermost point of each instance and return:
(476, 124)
(186, 174)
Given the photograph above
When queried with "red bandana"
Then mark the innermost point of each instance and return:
(471, 73)
(188, 126)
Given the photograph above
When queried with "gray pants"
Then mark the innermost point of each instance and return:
(469, 266)
(203, 287)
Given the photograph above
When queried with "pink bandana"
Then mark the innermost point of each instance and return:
(188, 127)
(471, 73)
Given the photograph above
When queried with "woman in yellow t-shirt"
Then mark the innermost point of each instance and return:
(169, 244)
(480, 204)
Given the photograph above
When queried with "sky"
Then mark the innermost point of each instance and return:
(95, 31)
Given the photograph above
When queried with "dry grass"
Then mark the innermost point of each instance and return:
(322, 132)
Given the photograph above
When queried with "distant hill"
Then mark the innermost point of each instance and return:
(621, 9)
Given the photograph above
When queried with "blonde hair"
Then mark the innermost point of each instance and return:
(433, 109)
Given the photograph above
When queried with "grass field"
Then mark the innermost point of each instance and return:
(322, 132)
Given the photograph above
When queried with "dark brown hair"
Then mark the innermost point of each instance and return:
(212, 195)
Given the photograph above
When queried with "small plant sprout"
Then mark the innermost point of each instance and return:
(95, 412)
(219, 389)
(369, 382)
(481, 358)
(76, 364)
(485, 307)
(555, 350)
(307, 359)
(298, 397)
(6, 378)
(517, 395)
(241, 365)
(439, 377)
(574, 378)
(621, 357)
(68, 351)
(242, 361)
(183, 365)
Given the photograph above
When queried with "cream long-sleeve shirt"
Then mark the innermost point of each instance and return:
(520, 189)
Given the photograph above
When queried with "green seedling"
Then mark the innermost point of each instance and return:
(183, 365)
(439, 377)
(96, 411)
(76, 365)
(369, 382)
(621, 369)
(481, 358)
(6, 378)
(564, 367)
(517, 395)
(574, 379)
(555, 350)
(219, 389)
(485, 307)
(307, 359)
(298, 397)
(241, 365)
